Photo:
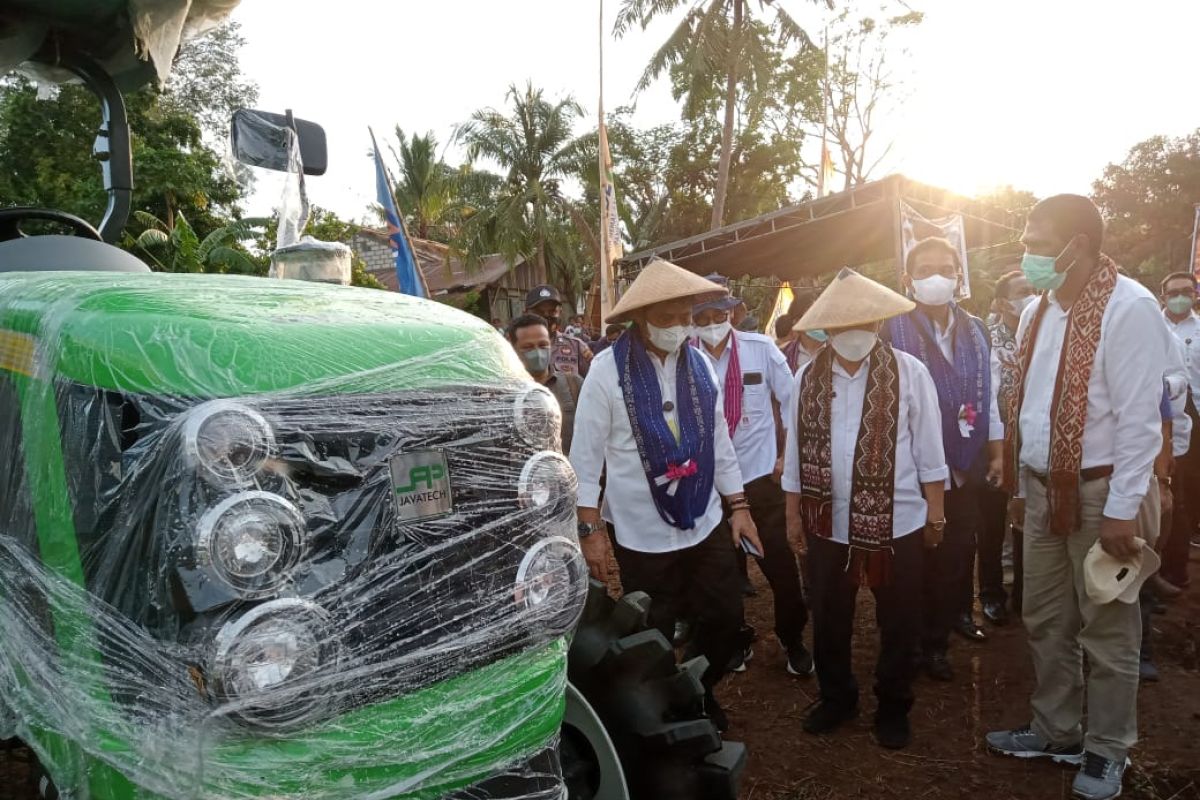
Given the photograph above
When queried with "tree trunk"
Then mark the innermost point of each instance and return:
(722, 189)
(543, 271)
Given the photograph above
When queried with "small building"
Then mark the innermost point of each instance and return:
(492, 289)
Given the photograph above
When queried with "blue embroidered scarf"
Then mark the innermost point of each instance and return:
(964, 387)
(680, 472)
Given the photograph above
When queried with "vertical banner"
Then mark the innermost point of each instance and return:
(611, 247)
(1195, 262)
(783, 301)
(914, 228)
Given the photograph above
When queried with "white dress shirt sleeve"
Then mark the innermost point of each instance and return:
(1136, 356)
(995, 426)
(791, 452)
(593, 421)
(925, 423)
(728, 478)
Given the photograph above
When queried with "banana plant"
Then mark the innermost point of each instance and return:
(177, 247)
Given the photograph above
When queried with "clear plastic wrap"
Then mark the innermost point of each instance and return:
(313, 260)
(267, 539)
(119, 33)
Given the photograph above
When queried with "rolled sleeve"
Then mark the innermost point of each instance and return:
(593, 423)
(791, 454)
(1136, 357)
(925, 423)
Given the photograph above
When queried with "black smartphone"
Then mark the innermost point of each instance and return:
(750, 549)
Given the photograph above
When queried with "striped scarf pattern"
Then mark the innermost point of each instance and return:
(1068, 409)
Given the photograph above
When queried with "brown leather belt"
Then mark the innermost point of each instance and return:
(1085, 475)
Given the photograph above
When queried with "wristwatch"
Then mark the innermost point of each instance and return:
(586, 529)
(937, 525)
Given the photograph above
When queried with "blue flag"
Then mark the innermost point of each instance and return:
(406, 263)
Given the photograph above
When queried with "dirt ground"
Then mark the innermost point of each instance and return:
(947, 758)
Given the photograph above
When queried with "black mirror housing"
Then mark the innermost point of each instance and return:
(260, 139)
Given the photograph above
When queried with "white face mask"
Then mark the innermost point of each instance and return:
(713, 335)
(936, 290)
(668, 339)
(853, 345)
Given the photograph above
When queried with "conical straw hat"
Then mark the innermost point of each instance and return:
(661, 281)
(853, 300)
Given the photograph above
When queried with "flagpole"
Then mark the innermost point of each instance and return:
(605, 287)
(824, 115)
(387, 178)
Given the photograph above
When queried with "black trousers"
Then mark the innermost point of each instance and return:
(897, 613)
(768, 507)
(1185, 513)
(704, 580)
(948, 578)
(993, 505)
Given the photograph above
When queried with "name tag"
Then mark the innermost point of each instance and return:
(752, 378)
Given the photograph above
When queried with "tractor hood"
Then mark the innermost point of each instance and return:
(209, 336)
(135, 40)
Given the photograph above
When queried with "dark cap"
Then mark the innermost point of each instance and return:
(542, 294)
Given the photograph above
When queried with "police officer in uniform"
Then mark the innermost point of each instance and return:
(569, 354)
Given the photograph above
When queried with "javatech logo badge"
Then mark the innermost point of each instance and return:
(421, 485)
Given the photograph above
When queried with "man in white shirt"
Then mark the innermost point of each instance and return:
(864, 474)
(755, 379)
(1178, 293)
(1092, 355)
(955, 347)
(652, 412)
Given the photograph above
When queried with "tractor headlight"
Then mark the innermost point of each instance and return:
(538, 417)
(265, 661)
(547, 482)
(227, 442)
(252, 541)
(552, 584)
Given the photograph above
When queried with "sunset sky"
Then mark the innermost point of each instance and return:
(1040, 94)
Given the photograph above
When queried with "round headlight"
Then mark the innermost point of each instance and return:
(265, 661)
(227, 442)
(552, 584)
(547, 481)
(538, 417)
(252, 541)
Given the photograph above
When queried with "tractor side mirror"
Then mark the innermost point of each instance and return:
(261, 139)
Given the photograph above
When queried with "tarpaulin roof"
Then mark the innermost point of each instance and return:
(850, 228)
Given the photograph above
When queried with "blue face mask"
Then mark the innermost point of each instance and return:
(1040, 272)
(818, 335)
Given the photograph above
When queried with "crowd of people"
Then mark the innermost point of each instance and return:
(891, 441)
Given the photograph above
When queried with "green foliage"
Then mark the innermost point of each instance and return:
(528, 217)
(177, 248)
(1148, 203)
(45, 145)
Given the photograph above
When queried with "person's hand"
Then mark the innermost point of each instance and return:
(995, 471)
(1117, 538)
(777, 473)
(742, 526)
(1016, 512)
(933, 535)
(595, 545)
(595, 553)
(795, 535)
(1165, 498)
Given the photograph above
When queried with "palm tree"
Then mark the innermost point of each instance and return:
(533, 145)
(425, 191)
(713, 36)
(177, 248)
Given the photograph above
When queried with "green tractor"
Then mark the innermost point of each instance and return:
(280, 539)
